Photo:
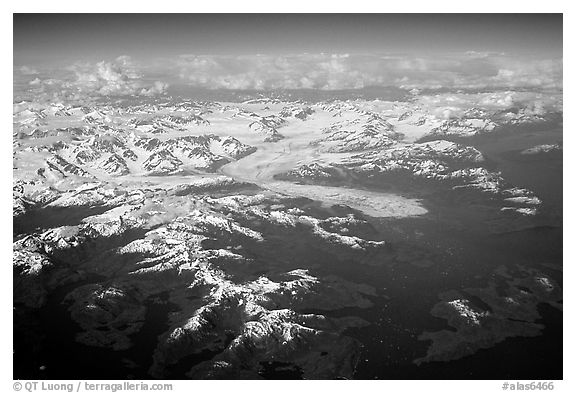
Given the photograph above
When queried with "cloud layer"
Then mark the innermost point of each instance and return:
(344, 71)
(449, 105)
(81, 80)
(327, 72)
(120, 77)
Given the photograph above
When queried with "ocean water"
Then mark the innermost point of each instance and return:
(462, 251)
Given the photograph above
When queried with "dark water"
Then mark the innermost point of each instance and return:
(458, 246)
(44, 338)
(52, 217)
(61, 357)
(465, 256)
(541, 173)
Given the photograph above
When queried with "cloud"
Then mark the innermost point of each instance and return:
(26, 70)
(157, 88)
(84, 82)
(451, 105)
(468, 72)
(471, 70)
(116, 78)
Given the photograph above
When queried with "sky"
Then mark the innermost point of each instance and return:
(145, 54)
(49, 37)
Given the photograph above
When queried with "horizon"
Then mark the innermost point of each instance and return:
(144, 54)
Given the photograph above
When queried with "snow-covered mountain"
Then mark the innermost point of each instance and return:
(222, 213)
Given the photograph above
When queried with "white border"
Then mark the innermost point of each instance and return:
(303, 6)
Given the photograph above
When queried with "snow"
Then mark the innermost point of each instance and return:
(329, 133)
